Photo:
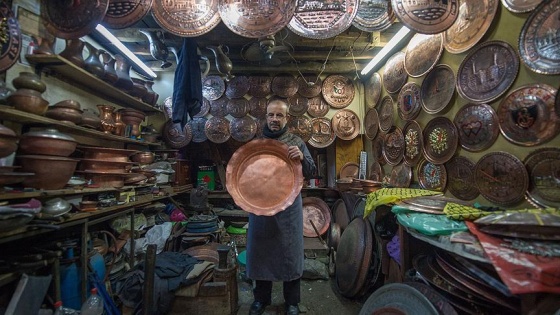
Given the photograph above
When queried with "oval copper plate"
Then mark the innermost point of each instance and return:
(541, 166)
(377, 148)
(393, 146)
(371, 123)
(298, 105)
(440, 140)
(124, 13)
(238, 107)
(538, 41)
(186, 19)
(72, 19)
(323, 134)
(409, 102)
(320, 20)
(487, 71)
(204, 109)
(284, 85)
(527, 116)
(213, 87)
(175, 136)
(477, 125)
(426, 17)
(317, 211)
(237, 87)
(501, 178)
(300, 126)
(198, 129)
(259, 86)
(217, 129)
(413, 143)
(309, 86)
(256, 19)
(11, 46)
(474, 19)
(376, 172)
(372, 90)
(521, 6)
(243, 129)
(431, 176)
(386, 114)
(401, 176)
(422, 53)
(437, 89)
(266, 162)
(346, 124)
(460, 176)
(317, 107)
(349, 170)
(394, 74)
(338, 90)
(257, 107)
(373, 15)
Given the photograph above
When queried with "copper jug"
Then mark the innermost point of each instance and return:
(122, 68)
(110, 74)
(93, 62)
(73, 51)
(119, 125)
(158, 50)
(107, 120)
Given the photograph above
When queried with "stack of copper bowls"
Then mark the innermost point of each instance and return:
(28, 97)
(8, 145)
(106, 167)
(66, 111)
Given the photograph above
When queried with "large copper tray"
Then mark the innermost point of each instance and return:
(422, 53)
(338, 90)
(11, 45)
(124, 13)
(426, 17)
(72, 19)
(374, 15)
(372, 90)
(317, 211)
(186, 19)
(322, 19)
(262, 179)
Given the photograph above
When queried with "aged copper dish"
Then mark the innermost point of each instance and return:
(477, 125)
(338, 90)
(175, 136)
(121, 14)
(284, 85)
(394, 74)
(106, 154)
(394, 146)
(401, 176)
(317, 107)
(373, 89)
(29, 101)
(213, 87)
(143, 157)
(237, 87)
(217, 129)
(10, 178)
(409, 102)
(8, 141)
(385, 112)
(541, 165)
(51, 172)
(72, 19)
(197, 126)
(374, 15)
(105, 166)
(309, 86)
(12, 41)
(440, 140)
(185, 21)
(349, 170)
(322, 134)
(47, 142)
(320, 20)
(371, 123)
(105, 179)
(426, 17)
(422, 53)
(301, 127)
(460, 178)
(259, 86)
(413, 143)
(317, 211)
(243, 129)
(346, 124)
(437, 89)
(431, 176)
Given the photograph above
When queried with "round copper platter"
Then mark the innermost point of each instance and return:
(217, 129)
(317, 107)
(284, 85)
(198, 129)
(431, 176)
(413, 143)
(258, 168)
(422, 53)
(338, 90)
(318, 212)
(213, 87)
(124, 13)
(237, 87)
(521, 6)
(259, 86)
(175, 136)
(340, 214)
(394, 74)
(460, 177)
(322, 134)
(501, 178)
(385, 114)
(487, 71)
(437, 89)
(320, 20)
(309, 86)
(376, 172)
(297, 105)
(473, 20)
(186, 21)
(426, 17)
(243, 129)
(72, 19)
(437, 300)
(372, 90)
(238, 107)
(204, 109)
(11, 46)
(377, 148)
(371, 123)
(346, 124)
(373, 15)
(398, 299)
(401, 176)
(477, 126)
(527, 116)
(218, 107)
(541, 165)
(440, 140)
(409, 102)
(300, 126)
(257, 107)
(349, 170)
(393, 146)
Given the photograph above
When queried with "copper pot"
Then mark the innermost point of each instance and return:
(90, 120)
(64, 114)
(105, 179)
(28, 101)
(105, 166)
(8, 141)
(69, 104)
(107, 154)
(29, 80)
(143, 157)
(47, 142)
(136, 179)
(51, 172)
(138, 88)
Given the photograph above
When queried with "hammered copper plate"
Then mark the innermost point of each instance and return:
(72, 19)
(349, 170)
(346, 124)
(527, 116)
(317, 211)
(266, 162)
(298, 105)
(213, 87)
(317, 107)
(538, 41)
(300, 126)
(398, 299)
(309, 86)
(521, 6)
(124, 13)
(338, 90)
(243, 129)
(218, 108)
(473, 20)
(186, 19)
(257, 107)
(175, 136)
(401, 176)
(460, 177)
(437, 89)
(377, 148)
(541, 166)
(413, 143)
(393, 146)
(426, 17)
(322, 134)
(259, 86)
(372, 90)
(284, 85)
(198, 129)
(256, 19)
(386, 114)
(340, 214)
(11, 44)
(409, 102)
(217, 129)
(422, 53)
(373, 15)
(237, 87)
(487, 71)
(371, 123)
(238, 107)
(320, 20)
(204, 109)
(440, 140)
(431, 176)
(394, 74)
(477, 126)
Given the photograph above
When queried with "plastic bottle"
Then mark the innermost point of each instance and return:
(61, 310)
(93, 305)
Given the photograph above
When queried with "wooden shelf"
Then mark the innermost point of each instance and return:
(78, 75)
(61, 192)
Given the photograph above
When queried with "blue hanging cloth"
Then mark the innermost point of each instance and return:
(187, 85)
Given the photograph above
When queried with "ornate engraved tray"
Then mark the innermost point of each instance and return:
(237, 87)
(338, 91)
(198, 129)
(213, 87)
(374, 15)
(298, 105)
(217, 129)
(175, 136)
(238, 107)
(477, 125)
(401, 176)
(322, 134)
(394, 74)
(394, 146)
(124, 13)
(321, 19)
(385, 114)
(72, 19)
(243, 129)
(426, 17)
(431, 176)
(346, 124)
(440, 140)
(437, 89)
(309, 86)
(257, 107)
(422, 53)
(262, 179)
(317, 107)
(300, 126)
(371, 123)
(186, 19)
(259, 86)
(460, 177)
(372, 90)
(541, 166)
(408, 102)
(520, 6)
(413, 143)
(317, 211)
(11, 46)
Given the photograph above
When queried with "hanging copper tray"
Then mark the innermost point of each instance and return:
(394, 74)
(300, 126)
(317, 107)
(346, 124)
(284, 85)
(376, 172)
(477, 126)
(413, 143)
(540, 164)
(460, 176)
(523, 6)
(238, 107)
(401, 176)
(217, 129)
(298, 105)
(197, 126)
(309, 86)
(386, 114)
(72, 19)
(204, 109)
(317, 211)
(426, 17)
(338, 90)
(186, 20)
(371, 123)
(349, 170)
(124, 13)
(11, 45)
(213, 87)
(262, 179)
(259, 86)
(437, 89)
(409, 102)
(243, 129)
(431, 176)
(372, 90)
(377, 148)
(257, 107)
(237, 87)
(440, 140)
(374, 15)
(218, 108)
(487, 72)
(422, 53)
(393, 146)
(322, 134)
(320, 20)
(260, 126)
(175, 136)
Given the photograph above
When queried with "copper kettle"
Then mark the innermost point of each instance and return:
(158, 50)
(223, 63)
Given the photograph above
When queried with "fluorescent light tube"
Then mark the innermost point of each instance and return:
(401, 34)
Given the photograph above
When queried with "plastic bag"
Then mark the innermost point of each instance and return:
(430, 224)
(158, 235)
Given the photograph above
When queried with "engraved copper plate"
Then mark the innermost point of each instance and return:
(487, 71)
(440, 140)
(257, 107)
(426, 17)
(538, 41)
(431, 176)
(11, 45)
(213, 87)
(217, 129)
(186, 19)
(386, 114)
(124, 13)
(198, 129)
(372, 90)
(300, 126)
(338, 90)
(321, 19)
(317, 107)
(258, 168)
(317, 211)
(376, 172)
(204, 109)
(218, 107)
(298, 105)
(175, 136)
(72, 19)
(371, 123)
(284, 86)
(323, 134)
(256, 19)
(377, 148)
(393, 146)
(243, 129)
(373, 15)
(478, 126)
(437, 89)
(501, 178)
(408, 101)
(238, 107)
(542, 166)
(413, 143)
(460, 177)
(394, 75)
(521, 6)
(259, 86)
(474, 19)
(401, 176)
(237, 87)
(422, 53)
(346, 124)
(349, 170)
(527, 116)
(309, 86)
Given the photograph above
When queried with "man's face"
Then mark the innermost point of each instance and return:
(276, 116)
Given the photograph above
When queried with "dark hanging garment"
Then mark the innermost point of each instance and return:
(187, 85)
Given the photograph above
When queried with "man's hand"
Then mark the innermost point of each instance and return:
(294, 153)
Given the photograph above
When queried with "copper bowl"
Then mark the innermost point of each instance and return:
(90, 120)
(136, 179)
(107, 154)
(105, 166)
(105, 179)
(51, 172)
(8, 144)
(47, 142)
(343, 184)
(65, 114)
(28, 101)
(69, 104)
(10, 178)
(143, 157)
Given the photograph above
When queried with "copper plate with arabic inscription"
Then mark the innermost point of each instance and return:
(527, 116)
(440, 140)
(413, 143)
(374, 15)
(376, 172)
(394, 74)
(198, 129)
(183, 20)
(256, 19)
(298, 105)
(218, 107)
(124, 13)
(409, 102)
(284, 85)
(437, 89)
(243, 129)
(487, 72)
(393, 146)
(300, 126)
(263, 159)
(377, 148)
(320, 20)
(422, 53)
(346, 124)
(521, 6)
(259, 86)
(477, 126)
(541, 166)
(317, 107)
(257, 107)
(175, 136)
(322, 134)
(426, 17)
(309, 86)
(460, 176)
(372, 90)
(538, 41)
(72, 19)
(386, 114)
(401, 176)
(204, 109)
(431, 176)
(213, 87)
(371, 123)
(217, 129)
(474, 19)
(237, 87)
(11, 46)
(338, 90)
(238, 107)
